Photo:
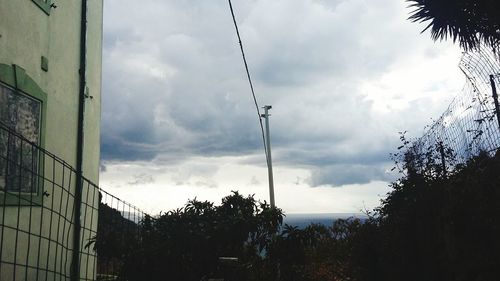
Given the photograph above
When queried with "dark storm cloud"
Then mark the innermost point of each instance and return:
(174, 84)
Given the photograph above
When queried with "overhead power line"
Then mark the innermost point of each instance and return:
(249, 81)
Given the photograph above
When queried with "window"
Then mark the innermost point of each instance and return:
(22, 111)
(44, 5)
(19, 166)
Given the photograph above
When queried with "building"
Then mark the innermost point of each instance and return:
(50, 72)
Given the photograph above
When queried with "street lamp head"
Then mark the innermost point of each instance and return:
(267, 107)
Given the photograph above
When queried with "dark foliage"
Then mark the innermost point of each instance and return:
(116, 239)
(443, 228)
(319, 252)
(186, 244)
(467, 21)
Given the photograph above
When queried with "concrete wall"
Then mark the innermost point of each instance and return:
(27, 33)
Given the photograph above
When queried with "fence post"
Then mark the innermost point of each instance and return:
(443, 157)
(495, 97)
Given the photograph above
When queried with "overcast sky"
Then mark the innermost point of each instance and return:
(343, 77)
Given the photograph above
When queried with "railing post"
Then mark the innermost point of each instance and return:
(495, 98)
(443, 158)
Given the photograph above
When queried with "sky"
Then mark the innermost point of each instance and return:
(343, 78)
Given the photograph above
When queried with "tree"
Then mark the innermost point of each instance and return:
(442, 228)
(116, 239)
(186, 244)
(469, 22)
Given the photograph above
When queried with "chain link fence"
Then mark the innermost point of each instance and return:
(470, 124)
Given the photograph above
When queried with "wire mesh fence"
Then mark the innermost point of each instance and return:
(470, 124)
(37, 218)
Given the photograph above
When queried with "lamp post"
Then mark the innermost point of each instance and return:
(269, 159)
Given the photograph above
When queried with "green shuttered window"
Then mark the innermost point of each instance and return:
(22, 119)
(19, 165)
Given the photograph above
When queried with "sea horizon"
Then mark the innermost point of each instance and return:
(302, 220)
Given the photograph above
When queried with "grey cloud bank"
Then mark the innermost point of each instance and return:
(174, 84)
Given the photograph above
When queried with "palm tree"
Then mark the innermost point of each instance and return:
(470, 22)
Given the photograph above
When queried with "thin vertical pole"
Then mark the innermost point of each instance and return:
(75, 261)
(443, 158)
(269, 159)
(495, 98)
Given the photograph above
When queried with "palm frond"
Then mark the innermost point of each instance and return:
(469, 22)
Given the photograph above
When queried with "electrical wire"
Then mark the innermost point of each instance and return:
(249, 81)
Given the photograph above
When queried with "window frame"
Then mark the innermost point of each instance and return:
(44, 6)
(16, 78)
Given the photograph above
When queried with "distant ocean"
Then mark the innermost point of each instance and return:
(327, 219)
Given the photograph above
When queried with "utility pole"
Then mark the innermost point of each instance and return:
(269, 159)
(495, 97)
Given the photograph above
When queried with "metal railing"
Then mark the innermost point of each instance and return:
(470, 124)
(37, 207)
